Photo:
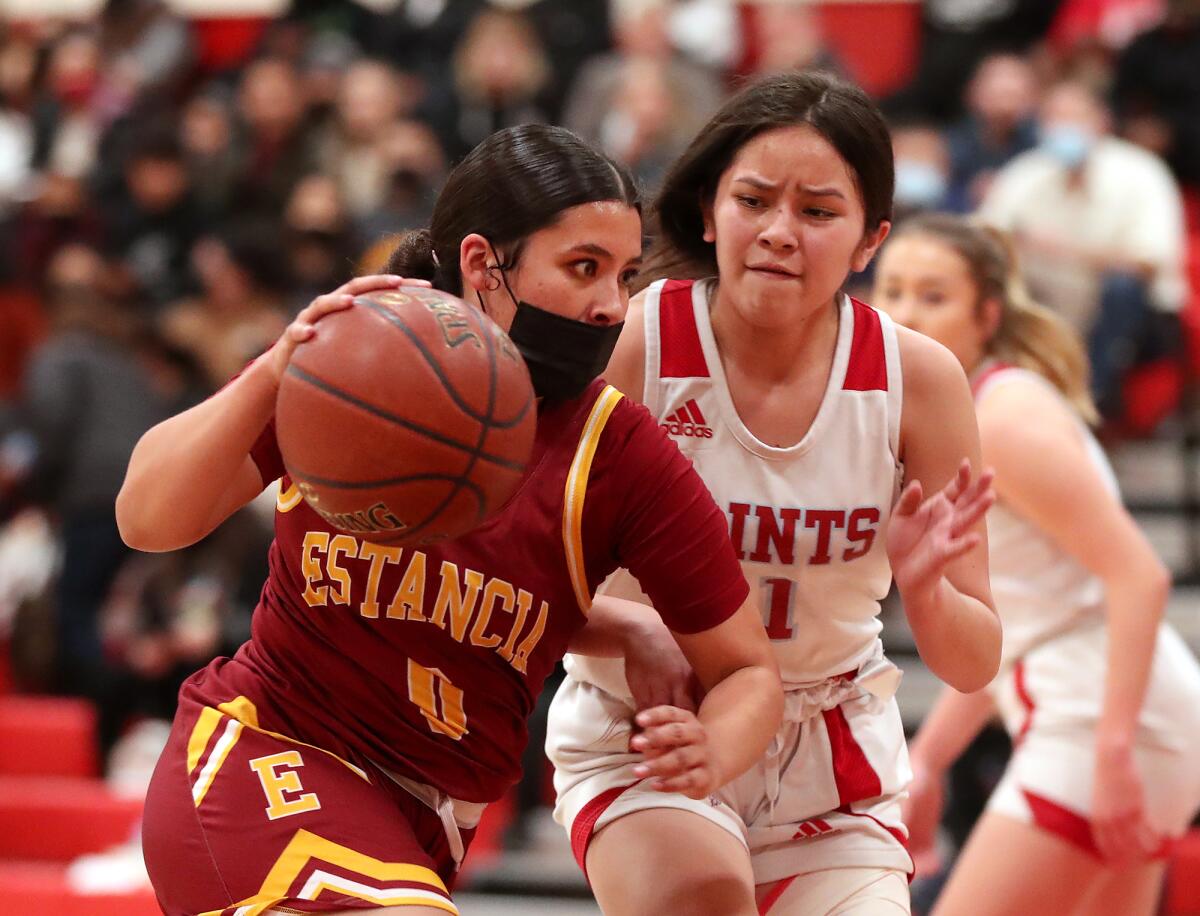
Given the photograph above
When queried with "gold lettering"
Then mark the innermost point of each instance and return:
(347, 545)
(524, 603)
(379, 556)
(531, 641)
(275, 783)
(314, 541)
(497, 589)
(410, 596)
(450, 597)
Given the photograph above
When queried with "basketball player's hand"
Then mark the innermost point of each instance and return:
(925, 535)
(657, 672)
(921, 812)
(1119, 825)
(676, 750)
(302, 327)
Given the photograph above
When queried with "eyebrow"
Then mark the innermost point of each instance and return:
(600, 252)
(764, 185)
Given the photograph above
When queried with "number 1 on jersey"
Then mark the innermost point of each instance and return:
(440, 702)
(778, 607)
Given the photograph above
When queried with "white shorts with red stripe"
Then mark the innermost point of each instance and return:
(1051, 700)
(826, 795)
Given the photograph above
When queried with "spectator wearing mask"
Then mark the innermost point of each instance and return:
(319, 241)
(922, 170)
(1000, 124)
(1098, 223)
(416, 168)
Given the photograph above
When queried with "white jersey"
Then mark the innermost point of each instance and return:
(807, 521)
(1039, 588)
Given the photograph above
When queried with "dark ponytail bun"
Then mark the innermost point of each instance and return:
(413, 257)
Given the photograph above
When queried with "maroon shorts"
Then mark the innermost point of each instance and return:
(240, 819)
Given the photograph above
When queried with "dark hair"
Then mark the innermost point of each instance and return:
(838, 110)
(515, 182)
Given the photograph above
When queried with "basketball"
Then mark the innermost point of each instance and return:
(407, 418)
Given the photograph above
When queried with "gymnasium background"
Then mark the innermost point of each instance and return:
(179, 177)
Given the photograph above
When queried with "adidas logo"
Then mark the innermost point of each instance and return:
(688, 421)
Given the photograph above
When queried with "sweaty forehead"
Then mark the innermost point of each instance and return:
(795, 157)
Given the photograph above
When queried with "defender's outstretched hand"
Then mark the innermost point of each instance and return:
(926, 535)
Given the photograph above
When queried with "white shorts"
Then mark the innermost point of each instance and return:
(826, 795)
(1051, 700)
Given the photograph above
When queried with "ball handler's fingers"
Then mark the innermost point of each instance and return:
(359, 285)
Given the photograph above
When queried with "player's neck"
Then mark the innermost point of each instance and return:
(775, 354)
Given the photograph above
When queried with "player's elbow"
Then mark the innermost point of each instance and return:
(139, 528)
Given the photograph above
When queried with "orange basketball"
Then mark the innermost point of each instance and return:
(407, 418)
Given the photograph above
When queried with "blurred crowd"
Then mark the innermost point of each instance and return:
(169, 198)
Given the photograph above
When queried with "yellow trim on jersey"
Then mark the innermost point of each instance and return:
(576, 490)
(289, 499)
(206, 724)
(216, 759)
(305, 847)
(242, 709)
(237, 713)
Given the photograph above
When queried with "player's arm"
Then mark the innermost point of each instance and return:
(626, 370)
(937, 541)
(675, 541)
(738, 717)
(189, 473)
(1065, 495)
(656, 670)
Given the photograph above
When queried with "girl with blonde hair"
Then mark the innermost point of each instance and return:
(1100, 696)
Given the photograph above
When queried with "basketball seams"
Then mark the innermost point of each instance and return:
(485, 427)
(333, 391)
(397, 321)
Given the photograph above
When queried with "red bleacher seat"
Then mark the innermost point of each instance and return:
(41, 888)
(47, 736)
(59, 818)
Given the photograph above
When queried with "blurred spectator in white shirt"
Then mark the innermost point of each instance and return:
(1098, 223)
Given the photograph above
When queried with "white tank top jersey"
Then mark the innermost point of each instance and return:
(807, 521)
(1040, 590)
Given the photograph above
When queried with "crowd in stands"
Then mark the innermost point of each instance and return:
(164, 211)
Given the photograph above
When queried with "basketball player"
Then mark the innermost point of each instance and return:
(804, 411)
(341, 759)
(1101, 698)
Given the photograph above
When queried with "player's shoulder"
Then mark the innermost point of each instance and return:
(926, 365)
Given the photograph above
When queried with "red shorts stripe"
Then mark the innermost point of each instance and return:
(774, 894)
(585, 821)
(1073, 827)
(856, 779)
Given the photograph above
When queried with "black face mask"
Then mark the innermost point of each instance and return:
(563, 355)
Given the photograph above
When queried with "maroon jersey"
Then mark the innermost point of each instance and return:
(427, 661)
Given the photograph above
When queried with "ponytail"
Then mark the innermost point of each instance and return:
(414, 258)
(1029, 335)
(1035, 338)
